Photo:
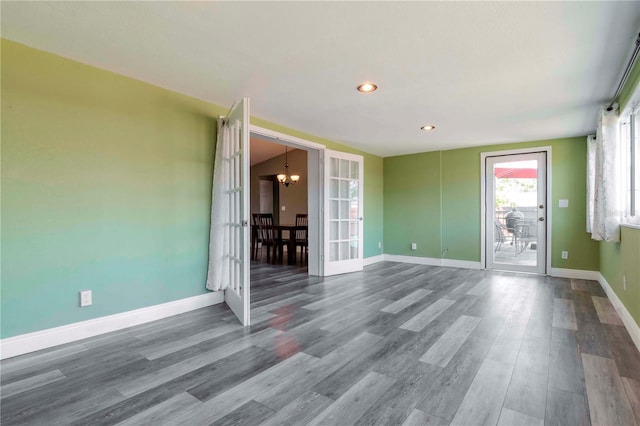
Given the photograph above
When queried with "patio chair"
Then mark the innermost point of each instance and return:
(525, 234)
(499, 236)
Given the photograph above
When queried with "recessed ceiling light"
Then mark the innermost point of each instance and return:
(428, 127)
(367, 87)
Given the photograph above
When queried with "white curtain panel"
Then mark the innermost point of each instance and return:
(591, 179)
(607, 206)
(218, 272)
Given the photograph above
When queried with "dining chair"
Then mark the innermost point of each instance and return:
(256, 240)
(269, 236)
(302, 237)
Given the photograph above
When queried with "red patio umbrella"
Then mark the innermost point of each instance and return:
(509, 172)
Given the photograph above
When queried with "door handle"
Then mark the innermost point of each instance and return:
(541, 219)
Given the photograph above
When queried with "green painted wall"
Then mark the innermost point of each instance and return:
(456, 181)
(106, 185)
(411, 185)
(619, 259)
(631, 271)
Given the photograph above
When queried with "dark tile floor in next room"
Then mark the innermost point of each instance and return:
(396, 344)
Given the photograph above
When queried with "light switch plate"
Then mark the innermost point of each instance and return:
(563, 204)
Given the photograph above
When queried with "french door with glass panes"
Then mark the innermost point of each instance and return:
(343, 223)
(236, 183)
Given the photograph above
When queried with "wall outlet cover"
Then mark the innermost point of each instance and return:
(86, 298)
(563, 204)
(414, 246)
(565, 254)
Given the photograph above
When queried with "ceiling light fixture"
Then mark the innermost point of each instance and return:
(367, 87)
(284, 178)
(427, 127)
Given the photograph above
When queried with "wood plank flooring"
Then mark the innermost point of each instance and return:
(396, 344)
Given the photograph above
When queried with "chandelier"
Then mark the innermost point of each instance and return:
(285, 178)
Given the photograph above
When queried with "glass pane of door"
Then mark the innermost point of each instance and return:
(515, 217)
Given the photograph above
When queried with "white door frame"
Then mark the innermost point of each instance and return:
(483, 200)
(315, 199)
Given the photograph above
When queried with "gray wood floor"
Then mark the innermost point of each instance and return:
(396, 344)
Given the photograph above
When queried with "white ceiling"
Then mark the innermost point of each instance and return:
(482, 72)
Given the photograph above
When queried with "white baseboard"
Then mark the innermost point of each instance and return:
(373, 259)
(578, 274)
(627, 319)
(468, 264)
(412, 259)
(432, 261)
(31, 342)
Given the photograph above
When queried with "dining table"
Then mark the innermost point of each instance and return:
(291, 241)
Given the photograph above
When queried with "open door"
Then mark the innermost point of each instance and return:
(236, 151)
(343, 215)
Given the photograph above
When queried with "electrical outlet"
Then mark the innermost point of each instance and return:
(85, 298)
(565, 255)
(624, 282)
(379, 244)
(414, 246)
(284, 208)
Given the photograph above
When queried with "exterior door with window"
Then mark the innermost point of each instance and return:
(516, 218)
(343, 211)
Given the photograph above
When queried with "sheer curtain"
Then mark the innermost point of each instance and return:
(591, 180)
(604, 185)
(220, 213)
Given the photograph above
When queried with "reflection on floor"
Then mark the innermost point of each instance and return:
(396, 344)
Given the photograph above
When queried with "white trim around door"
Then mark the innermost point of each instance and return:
(483, 202)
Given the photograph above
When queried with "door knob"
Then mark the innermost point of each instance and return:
(541, 219)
